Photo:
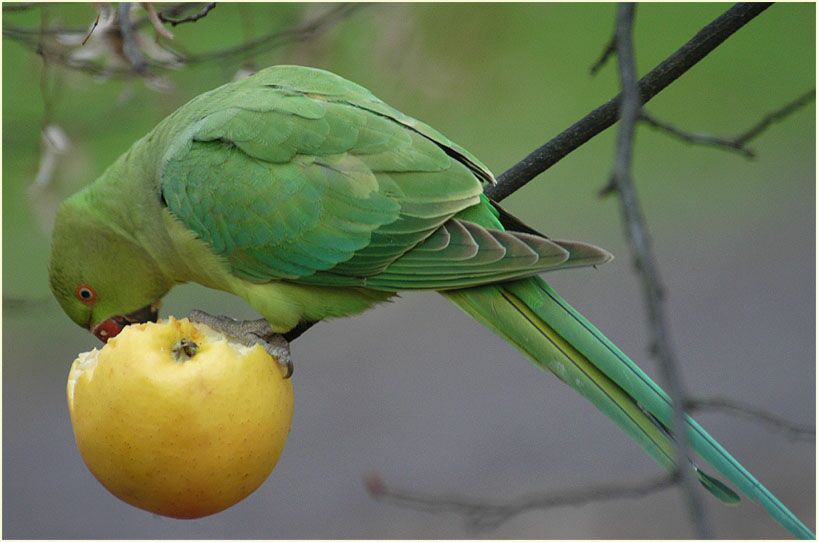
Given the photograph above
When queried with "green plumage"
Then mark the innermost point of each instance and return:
(310, 198)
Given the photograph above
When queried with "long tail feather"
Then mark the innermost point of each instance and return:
(529, 314)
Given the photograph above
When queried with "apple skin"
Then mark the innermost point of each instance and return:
(179, 430)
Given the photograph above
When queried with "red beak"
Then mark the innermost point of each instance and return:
(112, 326)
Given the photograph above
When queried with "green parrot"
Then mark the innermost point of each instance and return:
(308, 197)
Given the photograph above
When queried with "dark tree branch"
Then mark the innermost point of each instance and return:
(91, 31)
(792, 430)
(737, 143)
(604, 116)
(609, 50)
(190, 18)
(489, 515)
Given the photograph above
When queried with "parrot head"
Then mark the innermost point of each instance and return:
(101, 278)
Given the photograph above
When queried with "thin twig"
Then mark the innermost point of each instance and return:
(489, 515)
(792, 430)
(645, 263)
(737, 143)
(177, 9)
(91, 31)
(709, 140)
(191, 18)
(59, 55)
(156, 20)
(609, 50)
(604, 116)
(775, 116)
(304, 32)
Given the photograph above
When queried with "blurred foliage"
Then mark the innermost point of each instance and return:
(498, 78)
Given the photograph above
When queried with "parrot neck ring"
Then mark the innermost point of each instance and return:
(112, 326)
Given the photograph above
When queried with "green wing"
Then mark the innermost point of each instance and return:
(297, 174)
(327, 86)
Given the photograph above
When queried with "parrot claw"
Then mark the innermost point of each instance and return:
(250, 333)
(278, 347)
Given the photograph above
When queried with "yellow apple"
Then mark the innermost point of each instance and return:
(173, 418)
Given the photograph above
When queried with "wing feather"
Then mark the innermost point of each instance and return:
(297, 174)
(286, 183)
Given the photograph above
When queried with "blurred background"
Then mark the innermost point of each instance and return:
(415, 390)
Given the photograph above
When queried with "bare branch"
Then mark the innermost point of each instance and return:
(93, 27)
(728, 144)
(737, 143)
(177, 9)
(604, 116)
(775, 116)
(267, 42)
(130, 48)
(489, 515)
(792, 430)
(609, 50)
(189, 19)
(156, 20)
(644, 261)
(58, 56)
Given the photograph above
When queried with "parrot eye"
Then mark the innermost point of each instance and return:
(86, 294)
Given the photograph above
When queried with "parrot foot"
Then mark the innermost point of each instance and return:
(250, 333)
